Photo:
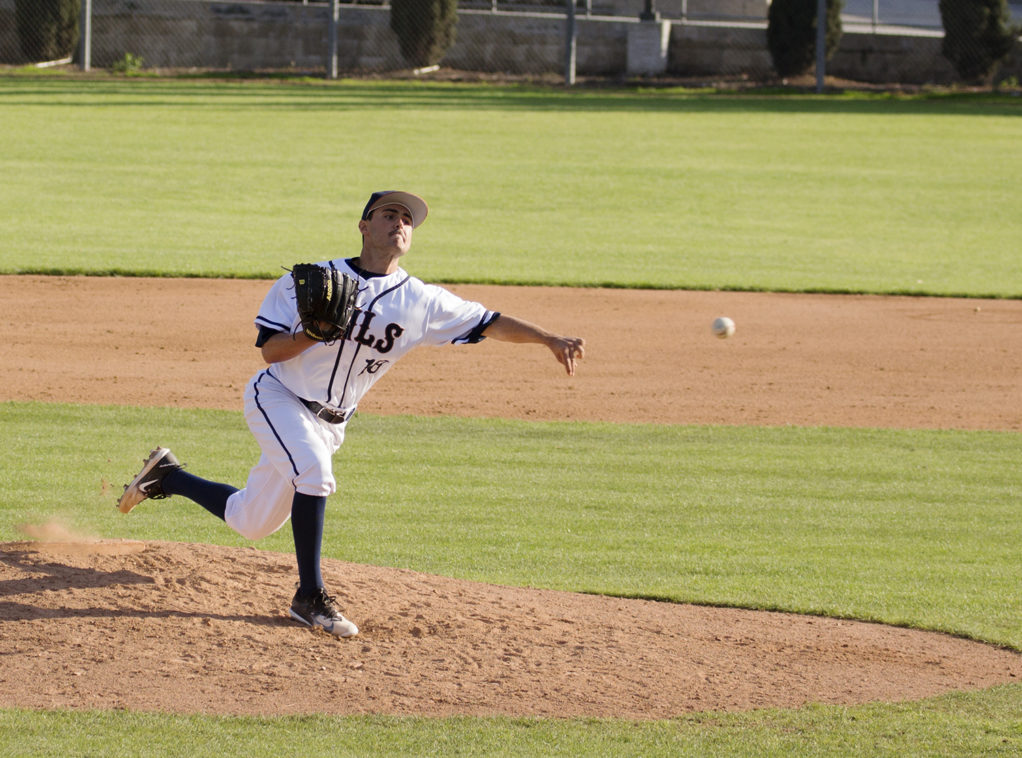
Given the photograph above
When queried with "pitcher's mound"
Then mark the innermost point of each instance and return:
(197, 628)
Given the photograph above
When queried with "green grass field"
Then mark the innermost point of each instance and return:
(620, 187)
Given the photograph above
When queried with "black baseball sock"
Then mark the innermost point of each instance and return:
(308, 512)
(210, 495)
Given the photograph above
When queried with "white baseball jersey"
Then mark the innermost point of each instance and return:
(397, 313)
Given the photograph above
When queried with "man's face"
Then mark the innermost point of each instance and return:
(389, 227)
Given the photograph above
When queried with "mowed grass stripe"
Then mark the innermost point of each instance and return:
(973, 724)
(527, 185)
(907, 527)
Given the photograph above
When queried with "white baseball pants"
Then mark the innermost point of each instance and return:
(297, 452)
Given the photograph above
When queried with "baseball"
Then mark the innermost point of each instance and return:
(723, 327)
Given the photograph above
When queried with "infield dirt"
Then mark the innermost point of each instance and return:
(434, 645)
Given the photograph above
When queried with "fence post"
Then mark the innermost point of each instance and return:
(331, 68)
(569, 46)
(821, 43)
(85, 41)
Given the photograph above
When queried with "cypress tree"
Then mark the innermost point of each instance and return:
(791, 34)
(47, 29)
(425, 29)
(977, 36)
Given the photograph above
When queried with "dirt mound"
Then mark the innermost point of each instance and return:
(196, 628)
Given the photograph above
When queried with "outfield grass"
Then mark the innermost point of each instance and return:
(984, 723)
(666, 189)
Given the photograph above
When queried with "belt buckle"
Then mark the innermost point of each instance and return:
(330, 415)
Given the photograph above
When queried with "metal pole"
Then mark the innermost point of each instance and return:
(821, 43)
(335, 7)
(85, 42)
(648, 12)
(570, 45)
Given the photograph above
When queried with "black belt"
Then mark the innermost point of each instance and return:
(321, 411)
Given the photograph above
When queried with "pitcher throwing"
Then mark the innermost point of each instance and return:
(299, 405)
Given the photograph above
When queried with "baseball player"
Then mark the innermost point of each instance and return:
(299, 405)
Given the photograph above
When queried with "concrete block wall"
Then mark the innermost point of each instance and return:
(873, 58)
(708, 51)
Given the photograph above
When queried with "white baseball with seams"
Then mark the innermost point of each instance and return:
(723, 327)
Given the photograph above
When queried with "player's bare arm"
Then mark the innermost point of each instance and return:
(567, 350)
(283, 346)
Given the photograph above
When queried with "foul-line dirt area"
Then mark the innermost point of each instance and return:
(161, 626)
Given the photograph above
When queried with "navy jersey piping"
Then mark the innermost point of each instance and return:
(265, 373)
(476, 335)
(272, 324)
(361, 271)
(351, 364)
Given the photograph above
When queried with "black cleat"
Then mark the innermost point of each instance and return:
(318, 610)
(148, 485)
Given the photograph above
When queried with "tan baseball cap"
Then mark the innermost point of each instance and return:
(414, 204)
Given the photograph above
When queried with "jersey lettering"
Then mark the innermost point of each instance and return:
(381, 345)
(372, 366)
(392, 332)
(363, 337)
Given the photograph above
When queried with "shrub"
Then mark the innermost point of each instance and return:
(977, 36)
(425, 29)
(129, 65)
(791, 34)
(47, 29)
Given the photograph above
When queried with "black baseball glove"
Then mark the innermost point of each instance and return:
(326, 301)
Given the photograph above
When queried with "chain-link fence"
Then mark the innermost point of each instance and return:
(882, 41)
